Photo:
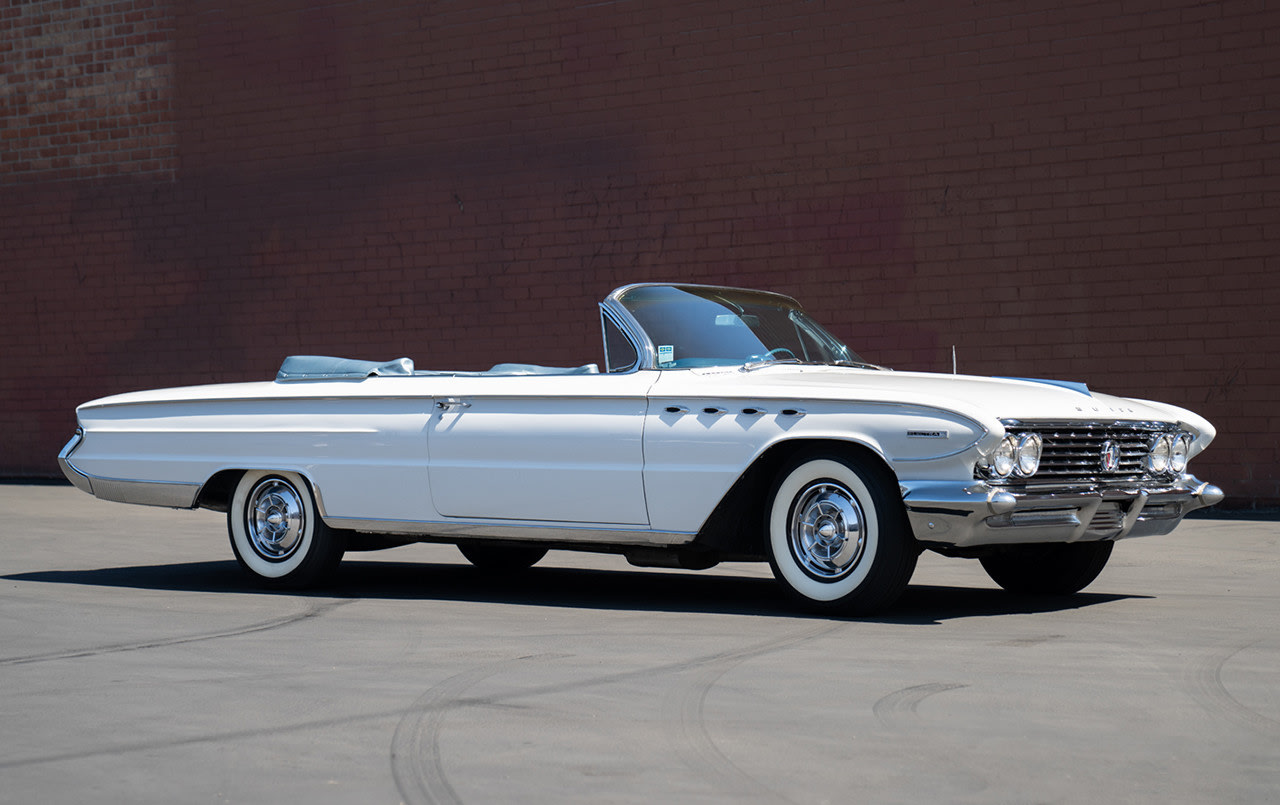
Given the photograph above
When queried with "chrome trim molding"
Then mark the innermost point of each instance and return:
(74, 475)
(426, 399)
(646, 352)
(544, 532)
(624, 327)
(147, 493)
(1135, 424)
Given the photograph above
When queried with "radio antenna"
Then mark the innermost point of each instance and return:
(953, 359)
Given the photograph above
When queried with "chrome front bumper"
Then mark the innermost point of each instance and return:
(979, 513)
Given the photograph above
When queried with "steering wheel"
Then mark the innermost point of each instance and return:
(776, 352)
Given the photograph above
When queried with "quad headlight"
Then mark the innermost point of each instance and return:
(1181, 450)
(1003, 461)
(1159, 454)
(1167, 453)
(1017, 454)
(1030, 447)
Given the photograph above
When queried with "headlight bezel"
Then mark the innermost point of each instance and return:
(1180, 454)
(1027, 454)
(1159, 456)
(1017, 456)
(1003, 459)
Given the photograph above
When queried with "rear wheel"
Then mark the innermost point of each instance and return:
(1051, 569)
(276, 532)
(502, 558)
(838, 537)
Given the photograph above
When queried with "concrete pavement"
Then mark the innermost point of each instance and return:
(137, 664)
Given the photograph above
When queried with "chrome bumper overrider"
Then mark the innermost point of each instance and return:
(979, 513)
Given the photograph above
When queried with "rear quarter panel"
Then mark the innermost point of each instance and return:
(368, 456)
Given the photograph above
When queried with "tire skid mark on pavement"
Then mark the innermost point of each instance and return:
(1207, 688)
(686, 707)
(1029, 642)
(195, 740)
(900, 708)
(670, 668)
(416, 764)
(899, 712)
(705, 758)
(312, 611)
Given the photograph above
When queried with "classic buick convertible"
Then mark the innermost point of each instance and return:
(727, 425)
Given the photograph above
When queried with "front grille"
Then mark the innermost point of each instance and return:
(1073, 450)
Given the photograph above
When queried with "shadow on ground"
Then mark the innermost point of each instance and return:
(569, 587)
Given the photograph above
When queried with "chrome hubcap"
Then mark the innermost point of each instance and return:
(827, 531)
(275, 519)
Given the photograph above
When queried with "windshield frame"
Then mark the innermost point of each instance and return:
(615, 307)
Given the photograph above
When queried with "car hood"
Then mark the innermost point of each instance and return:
(984, 399)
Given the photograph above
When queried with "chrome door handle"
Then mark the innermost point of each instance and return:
(451, 402)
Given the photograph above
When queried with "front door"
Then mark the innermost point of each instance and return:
(559, 448)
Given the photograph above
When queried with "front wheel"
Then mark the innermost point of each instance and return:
(1051, 569)
(838, 536)
(276, 533)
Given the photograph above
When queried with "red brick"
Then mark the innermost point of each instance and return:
(1109, 168)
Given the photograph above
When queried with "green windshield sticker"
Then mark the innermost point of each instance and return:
(666, 353)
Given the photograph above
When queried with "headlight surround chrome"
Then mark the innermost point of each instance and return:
(1004, 459)
(1027, 454)
(1159, 453)
(1167, 453)
(1018, 454)
(1179, 450)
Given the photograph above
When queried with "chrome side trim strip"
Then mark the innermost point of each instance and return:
(146, 493)
(544, 532)
(427, 400)
(173, 495)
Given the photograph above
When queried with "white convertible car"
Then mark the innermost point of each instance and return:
(726, 425)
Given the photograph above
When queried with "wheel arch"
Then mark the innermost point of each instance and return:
(216, 493)
(736, 527)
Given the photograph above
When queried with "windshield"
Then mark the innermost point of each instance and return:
(703, 326)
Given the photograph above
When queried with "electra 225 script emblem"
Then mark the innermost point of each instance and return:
(1110, 456)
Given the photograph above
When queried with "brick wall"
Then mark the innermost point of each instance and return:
(85, 89)
(1086, 192)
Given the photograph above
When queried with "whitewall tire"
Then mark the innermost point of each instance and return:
(276, 532)
(838, 538)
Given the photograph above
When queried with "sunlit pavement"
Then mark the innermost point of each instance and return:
(137, 664)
